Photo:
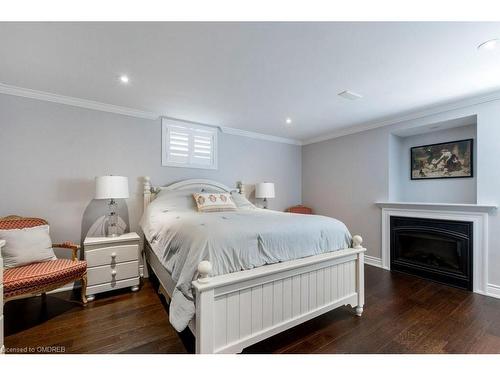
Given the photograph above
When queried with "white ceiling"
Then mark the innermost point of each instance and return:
(253, 76)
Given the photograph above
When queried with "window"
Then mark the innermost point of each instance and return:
(188, 145)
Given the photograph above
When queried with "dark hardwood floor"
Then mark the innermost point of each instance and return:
(403, 314)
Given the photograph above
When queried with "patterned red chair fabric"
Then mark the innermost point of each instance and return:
(299, 209)
(37, 278)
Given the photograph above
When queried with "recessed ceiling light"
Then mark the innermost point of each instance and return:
(489, 44)
(124, 79)
(349, 95)
(288, 120)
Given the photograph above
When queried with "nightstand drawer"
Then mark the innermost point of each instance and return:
(113, 285)
(112, 254)
(106, 274)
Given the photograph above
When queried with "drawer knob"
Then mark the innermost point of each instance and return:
(113, 273)
(113, 255)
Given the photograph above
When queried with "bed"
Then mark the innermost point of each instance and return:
(236, 278)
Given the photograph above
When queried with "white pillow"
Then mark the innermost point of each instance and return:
(25, 246)
(241, 201)
(214, 202)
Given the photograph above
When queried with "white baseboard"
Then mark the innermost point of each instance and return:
(493, 290)
(373, 261)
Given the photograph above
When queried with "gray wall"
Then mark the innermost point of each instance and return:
(452, 190)
(345, 176)
(50, 154)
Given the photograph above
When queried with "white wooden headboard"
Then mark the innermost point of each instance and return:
(151, 191)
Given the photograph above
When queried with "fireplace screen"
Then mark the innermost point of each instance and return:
(440, 250)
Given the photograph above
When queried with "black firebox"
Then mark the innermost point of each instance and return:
(440, 250)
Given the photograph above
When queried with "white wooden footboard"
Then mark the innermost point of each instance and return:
(237, 310)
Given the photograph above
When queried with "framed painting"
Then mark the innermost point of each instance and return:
(442, 160)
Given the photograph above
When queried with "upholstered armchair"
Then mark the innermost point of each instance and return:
(39, 278)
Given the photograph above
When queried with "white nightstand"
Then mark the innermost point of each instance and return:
(113, 263)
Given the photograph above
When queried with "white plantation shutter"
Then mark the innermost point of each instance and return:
(178, 145)
(188, 145)
(203, 147)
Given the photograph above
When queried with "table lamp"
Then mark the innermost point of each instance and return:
(111, 187)
(264, 190)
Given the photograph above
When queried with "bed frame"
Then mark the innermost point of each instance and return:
(237, 310)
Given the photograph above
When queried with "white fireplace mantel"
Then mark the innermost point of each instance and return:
(477, 214)
(469, 207)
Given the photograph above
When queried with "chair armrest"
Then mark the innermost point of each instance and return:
(69, 246)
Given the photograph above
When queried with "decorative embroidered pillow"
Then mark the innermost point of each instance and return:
(214, 202)
(26, 246)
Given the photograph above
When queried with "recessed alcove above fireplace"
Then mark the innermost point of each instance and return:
(445, 190)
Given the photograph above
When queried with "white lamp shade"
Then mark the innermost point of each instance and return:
(264, 190)
(111, 187)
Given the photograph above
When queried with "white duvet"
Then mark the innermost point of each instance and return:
(181, 238)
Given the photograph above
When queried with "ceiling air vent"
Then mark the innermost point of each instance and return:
(349, 95)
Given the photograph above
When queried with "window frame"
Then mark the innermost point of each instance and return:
(166, 127)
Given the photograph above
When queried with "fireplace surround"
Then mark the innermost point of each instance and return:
(440, 250)
(475, 213)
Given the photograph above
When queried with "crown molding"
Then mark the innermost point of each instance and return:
(75, 102)
(434, 110)
(104, 107)
(265, 137)
(356, 128)
(132, 112)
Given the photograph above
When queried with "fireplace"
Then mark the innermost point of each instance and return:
(440, 250)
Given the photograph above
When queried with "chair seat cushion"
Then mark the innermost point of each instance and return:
(36, 277)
